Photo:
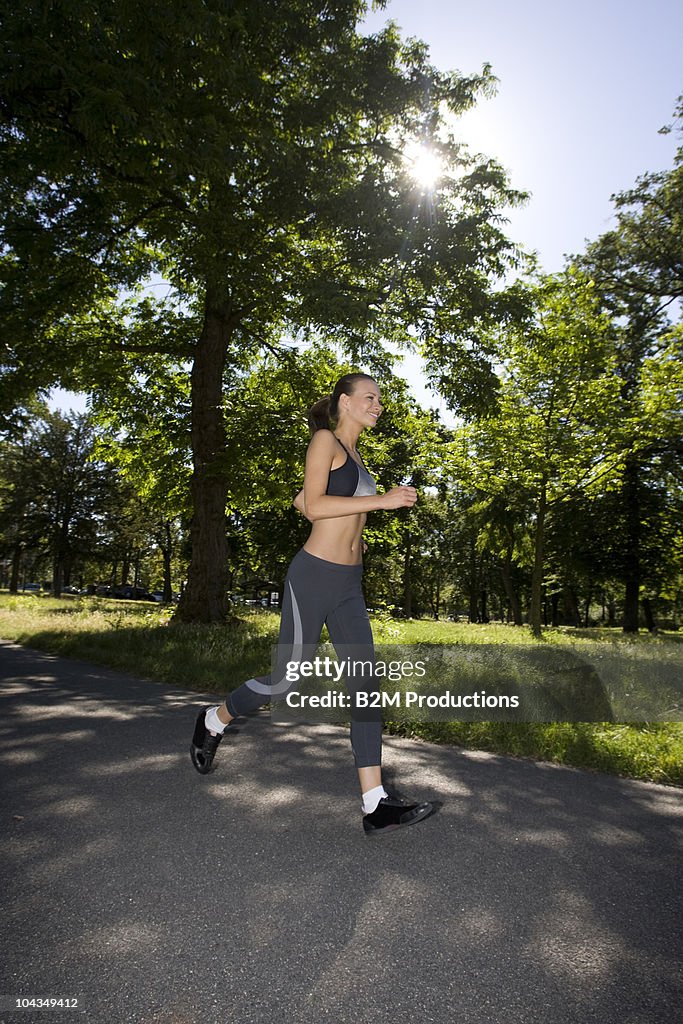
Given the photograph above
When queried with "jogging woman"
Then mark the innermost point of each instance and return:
(323, 586)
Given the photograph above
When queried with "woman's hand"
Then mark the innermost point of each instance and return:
(399, 497)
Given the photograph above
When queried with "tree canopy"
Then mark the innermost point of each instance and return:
(207, 211)
(252, 154)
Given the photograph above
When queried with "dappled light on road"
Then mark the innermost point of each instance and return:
(159, 893)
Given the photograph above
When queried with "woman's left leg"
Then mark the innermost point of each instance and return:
(350, 631)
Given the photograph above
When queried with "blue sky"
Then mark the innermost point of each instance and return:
(583, 89)
(582, 93)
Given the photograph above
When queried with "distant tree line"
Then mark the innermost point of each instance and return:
(528, 495)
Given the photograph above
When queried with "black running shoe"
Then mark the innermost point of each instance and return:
(393, 813)
(204, 743)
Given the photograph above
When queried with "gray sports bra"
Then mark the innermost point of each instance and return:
(350, 480)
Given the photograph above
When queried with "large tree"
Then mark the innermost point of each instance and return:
(54, 495)
(638, 271)
(553, 432)
(251, 153)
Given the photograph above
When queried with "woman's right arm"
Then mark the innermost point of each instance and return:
(319, 505)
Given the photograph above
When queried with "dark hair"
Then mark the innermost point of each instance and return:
(320, 414)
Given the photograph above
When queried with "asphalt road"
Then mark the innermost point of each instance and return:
(157, 896)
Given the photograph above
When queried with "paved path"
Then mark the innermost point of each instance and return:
(536, 894)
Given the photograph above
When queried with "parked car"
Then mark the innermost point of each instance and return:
(158, 595)
(128, 593)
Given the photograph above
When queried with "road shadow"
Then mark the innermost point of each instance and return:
(537, 893)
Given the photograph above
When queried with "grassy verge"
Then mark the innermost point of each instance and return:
(138, 638)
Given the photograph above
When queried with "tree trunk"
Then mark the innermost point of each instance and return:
(632, 552)
(407, 578)
(59, 545)
(166, 553)
(510, 592)
(554, 604)
(649, 616)
(539, 559)
(587, 607)
(57, 576)
(204, 599)
(473, 583)
(571, 607)
(16, 569)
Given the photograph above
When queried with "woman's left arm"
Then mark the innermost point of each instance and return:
(299, 505)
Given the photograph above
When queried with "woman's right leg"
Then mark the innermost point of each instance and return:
(301, 622)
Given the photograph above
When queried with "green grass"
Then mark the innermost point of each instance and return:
(653, 752)
(139, 638)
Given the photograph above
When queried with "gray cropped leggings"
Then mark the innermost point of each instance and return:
(319, 592)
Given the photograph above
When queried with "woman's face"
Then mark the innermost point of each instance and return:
(363, 406)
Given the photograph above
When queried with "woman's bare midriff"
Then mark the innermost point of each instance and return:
(338, 540)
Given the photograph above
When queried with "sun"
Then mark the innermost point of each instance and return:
(424, 165)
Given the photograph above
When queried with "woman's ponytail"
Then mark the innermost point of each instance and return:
(319, 415)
